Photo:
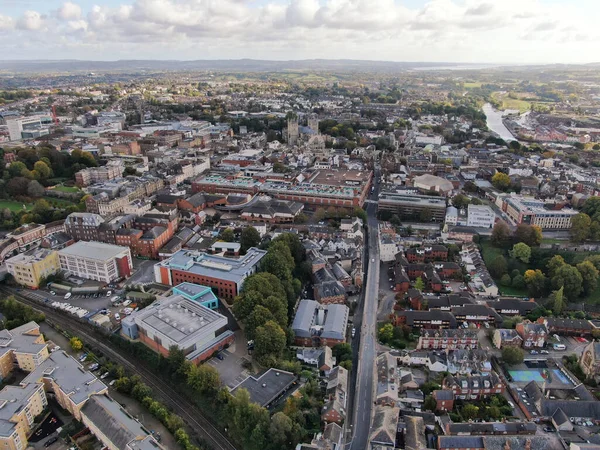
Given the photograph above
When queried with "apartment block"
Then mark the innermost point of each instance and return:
(23, 347)
(31, 267)
(19, 406)
(96, 261)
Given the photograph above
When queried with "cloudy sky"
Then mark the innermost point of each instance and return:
(486, 31)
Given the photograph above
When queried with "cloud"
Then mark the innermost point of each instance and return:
(31, 20)
(69, 11)
(469, 30)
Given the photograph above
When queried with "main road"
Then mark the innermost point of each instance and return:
(365, 369)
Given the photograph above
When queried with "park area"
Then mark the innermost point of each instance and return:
(15, 206)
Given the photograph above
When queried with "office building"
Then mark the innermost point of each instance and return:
(96, 261)
(197, 293)
(531, 211)
(224, 275)
(412, 205)
(30, 268)
(180, 322)
(480, 216)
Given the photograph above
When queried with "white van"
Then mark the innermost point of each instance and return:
(559, 347)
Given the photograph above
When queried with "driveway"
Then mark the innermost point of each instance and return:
(144, 272)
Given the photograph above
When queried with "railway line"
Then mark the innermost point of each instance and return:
(170, 397)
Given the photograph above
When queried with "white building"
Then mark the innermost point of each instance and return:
(481, 216)
(96, 261)
(388, 248)
(451, 216)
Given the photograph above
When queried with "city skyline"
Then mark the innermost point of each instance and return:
(469, 31)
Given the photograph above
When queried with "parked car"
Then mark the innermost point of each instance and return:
(82, 357)
(109, 293)
(112, 382)
(104, 375)
(52, 293)
(127, 303)
(68, 295)
(544, 352)
(50, 441)
(220, 357)
(55, 349)
(117, 317)
(93, 366)
(534, 352)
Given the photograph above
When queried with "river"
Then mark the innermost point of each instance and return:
(495, 124)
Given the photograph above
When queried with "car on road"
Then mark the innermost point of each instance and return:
(373, 260)
(534, 352)
(582, 340)
(68, 295)
(544, 352)
(52, 293)
(353, 331)
(559, 347)
(50, 441)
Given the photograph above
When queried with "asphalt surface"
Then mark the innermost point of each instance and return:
(363, 398)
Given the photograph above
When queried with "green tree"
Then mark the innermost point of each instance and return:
(16, 169)
(430, 404)
(568, 277)
(557, 300)
(227, 235)
(580, 227)
(203, 379)
(257, 318)
(386, 333)
(529, 234)
(500, 234)
(342, 352)
(469, 411)
(501, 181)
(419, 284)
(589, 274)
(249, 238)
(460, 201)
(518, 282)
(505, 280)
(498, 266)
(554, 264)
(269, 341)
(522, 252)
(42, 170)
(512, 355)
(76, 344)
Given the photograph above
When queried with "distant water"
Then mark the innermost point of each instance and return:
(495, 124)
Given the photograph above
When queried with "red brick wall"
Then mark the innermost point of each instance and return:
(224, 289)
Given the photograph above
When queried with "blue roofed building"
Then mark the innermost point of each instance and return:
(197, 293)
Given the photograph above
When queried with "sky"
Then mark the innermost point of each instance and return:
(462, 31)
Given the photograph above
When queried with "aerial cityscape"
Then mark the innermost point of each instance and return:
(300, 225)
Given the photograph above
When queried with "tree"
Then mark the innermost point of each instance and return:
(419, 284)
(35, 189)
(430, 404)
(280, 430)
(342, 352)
(425, 215)
(500, 234)
(249, 238)
(76, 344)
(227, 235)
(580, 227)
(386, 333)
(257, 318)
(521, 251)
(469, 411)
(528, 234)
(17, 186)
(42, 171)
(554, 264)
(557, 300)
(16, 169)
(535, 282)
(460, 201)
(203, 379)
(505, 280)
(589, 274)
(568, 277)
(360, 213)
(270, 340)
(498, 266)
(518, 282)
(512, 355)
(501, 181)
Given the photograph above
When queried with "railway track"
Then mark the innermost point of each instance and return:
(181, 406)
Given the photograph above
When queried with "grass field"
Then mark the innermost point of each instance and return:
(14, 206)
(489, 252)
(59, 201)
(472, 84)
(511, 103)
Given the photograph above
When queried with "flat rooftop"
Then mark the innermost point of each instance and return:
(267, 387)
(93, 250)
(12, 400)
(341, 177)
(394, 197)
(230, 269)
(178, 318)
(31, 256)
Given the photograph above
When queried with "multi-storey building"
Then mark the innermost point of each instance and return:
(30, 268)
(480, 216)
(177, 321)
(19, 406)
(411, 205)
(447, 339)
(531, 211)
(96, 261)
(22, 347)
(473, 387)
(316, 325)
(224, 275)
(533, 334)
(83, 226)
(113, 169)
(427, 253)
